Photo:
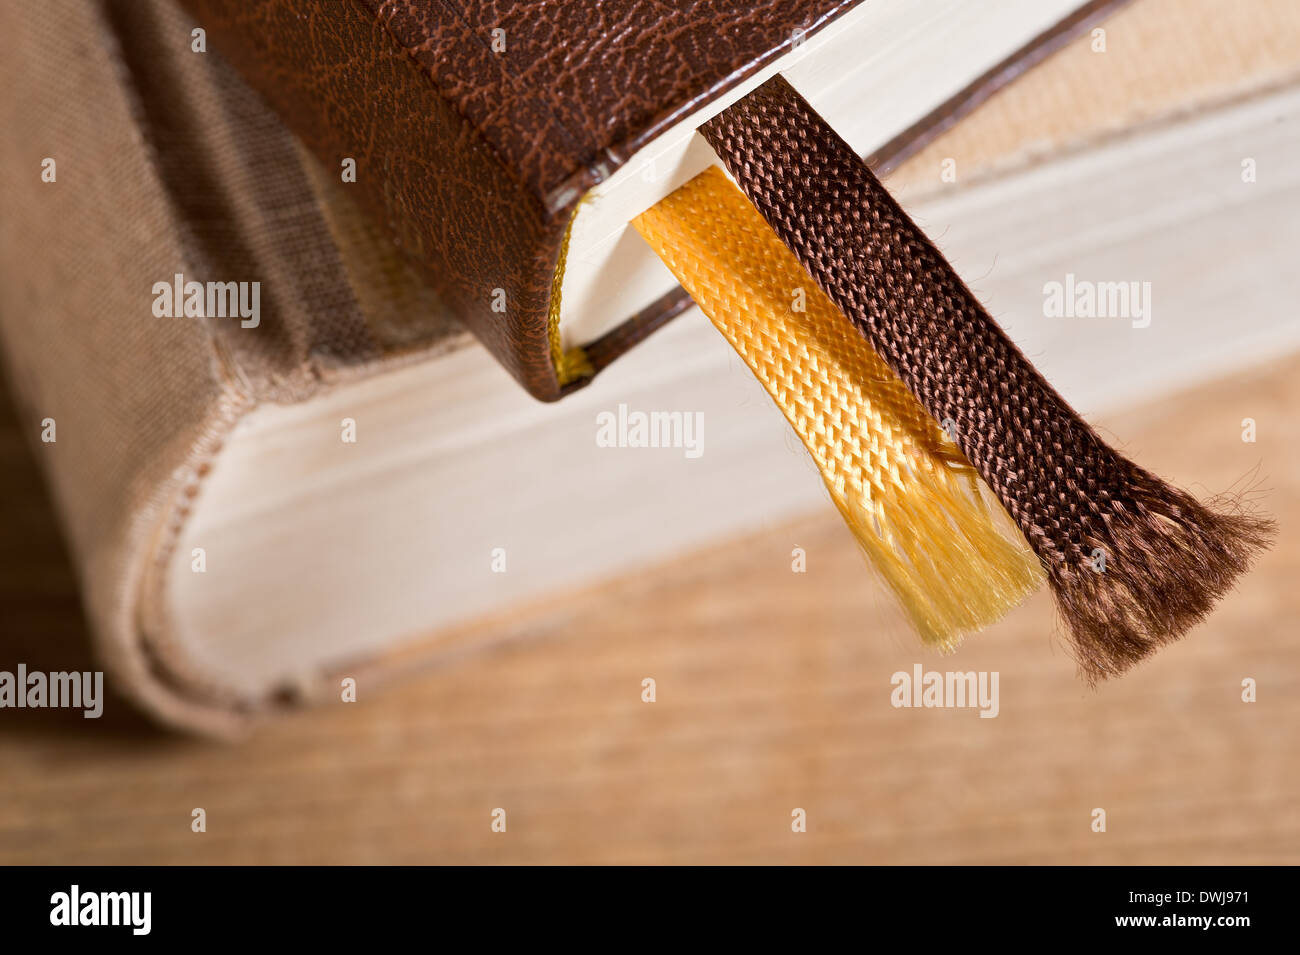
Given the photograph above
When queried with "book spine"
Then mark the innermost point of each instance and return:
(453, 194)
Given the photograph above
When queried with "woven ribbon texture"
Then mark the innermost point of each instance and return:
(913, 502)
(1133, 562)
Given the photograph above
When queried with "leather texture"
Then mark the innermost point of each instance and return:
(475, 158)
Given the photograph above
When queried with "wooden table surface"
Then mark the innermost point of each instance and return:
(772, 694)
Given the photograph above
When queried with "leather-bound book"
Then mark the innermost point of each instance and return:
(506, 145)
(266, 260)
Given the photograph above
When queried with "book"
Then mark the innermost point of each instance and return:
(503, 134)
(322, 476)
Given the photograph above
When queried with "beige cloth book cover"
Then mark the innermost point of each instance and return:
(129, 160)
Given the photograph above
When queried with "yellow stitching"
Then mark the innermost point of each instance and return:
(572, 364)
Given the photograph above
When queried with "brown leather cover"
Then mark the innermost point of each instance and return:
(476, 159)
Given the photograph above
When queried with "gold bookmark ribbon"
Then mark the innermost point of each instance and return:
(912, 500)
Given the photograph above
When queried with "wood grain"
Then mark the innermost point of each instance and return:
(773, 693)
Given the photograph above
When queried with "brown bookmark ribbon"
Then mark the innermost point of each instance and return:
(1133, 562)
